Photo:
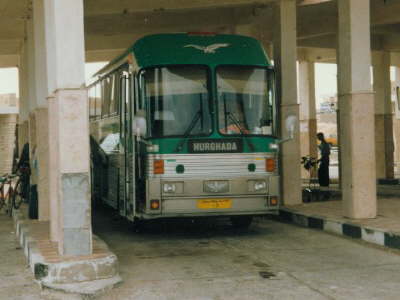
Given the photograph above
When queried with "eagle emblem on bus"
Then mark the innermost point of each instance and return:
(208, 49)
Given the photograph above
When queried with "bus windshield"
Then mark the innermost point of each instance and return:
(177, 101)
(245, 100)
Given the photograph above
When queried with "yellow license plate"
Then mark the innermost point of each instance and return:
(214, 203)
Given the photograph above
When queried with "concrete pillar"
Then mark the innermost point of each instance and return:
(396, 119)
(285, 54)
(23, 135)
(41, 110)
(356, 106)
(23, 118)
(31, 97)
(69, 127)
(384, 146)
(33, 149)
(308, 112)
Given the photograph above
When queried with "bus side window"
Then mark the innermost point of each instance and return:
(98, 100)
(118, 92)
(115, 89)
(92, 103)
(106, 87)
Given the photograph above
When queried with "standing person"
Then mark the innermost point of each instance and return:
(323, 170)
(24, 170)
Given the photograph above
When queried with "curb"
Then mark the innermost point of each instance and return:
(367, 234)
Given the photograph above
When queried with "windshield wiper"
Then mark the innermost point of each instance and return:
(188, 130)
(236, 121)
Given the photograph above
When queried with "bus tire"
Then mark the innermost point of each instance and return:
(241, 222)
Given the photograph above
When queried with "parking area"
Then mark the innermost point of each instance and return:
(209, 259)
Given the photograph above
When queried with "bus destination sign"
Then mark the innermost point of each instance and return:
(215, 146)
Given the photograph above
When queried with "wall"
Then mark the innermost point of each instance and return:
(7, 141)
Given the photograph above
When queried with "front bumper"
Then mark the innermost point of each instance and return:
(191, 207)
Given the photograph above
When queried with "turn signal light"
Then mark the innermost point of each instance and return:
(159, 166)
(270, 164)
(155, 204)
(273, 201)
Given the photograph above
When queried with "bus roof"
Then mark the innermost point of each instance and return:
(194, 48)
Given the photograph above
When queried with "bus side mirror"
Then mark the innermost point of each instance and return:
(139, 126)
(290, 123)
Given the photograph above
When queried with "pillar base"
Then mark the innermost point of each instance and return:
(74, 274)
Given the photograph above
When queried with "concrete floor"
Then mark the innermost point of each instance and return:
(16, 279)
(210, 260)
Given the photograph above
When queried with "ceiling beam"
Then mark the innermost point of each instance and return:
(102, 55)
(166, 21)
(103, 7)
(385, 12)
(9, 61)
(10, 46)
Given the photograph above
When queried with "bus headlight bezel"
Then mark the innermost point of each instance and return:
(175, 187)
(257, 186)
(260, 185)
(169, 188)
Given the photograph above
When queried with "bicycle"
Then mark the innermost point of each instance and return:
(311, 193)
(20, 189)
(6, 193)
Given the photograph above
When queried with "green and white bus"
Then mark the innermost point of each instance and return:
(185, 125)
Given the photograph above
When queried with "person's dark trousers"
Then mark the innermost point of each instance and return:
(25, 187)
(323, 178)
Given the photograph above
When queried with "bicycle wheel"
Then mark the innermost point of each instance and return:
(17, 195)
(9, 200)
(2, 197)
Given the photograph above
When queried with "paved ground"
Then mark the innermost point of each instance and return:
(16, 279)
(210, 260)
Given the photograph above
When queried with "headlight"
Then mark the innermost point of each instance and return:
(260, 185)
(169, 187)
(257, 185)
(175, 187)
(216, 186)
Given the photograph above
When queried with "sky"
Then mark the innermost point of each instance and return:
(325, 81)
(9, 81)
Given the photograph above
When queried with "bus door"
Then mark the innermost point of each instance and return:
(129, 146)
(122, 201)
(124, 198)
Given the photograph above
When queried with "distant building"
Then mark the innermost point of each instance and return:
(328, 105)
(8, 120)
(9, 104)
